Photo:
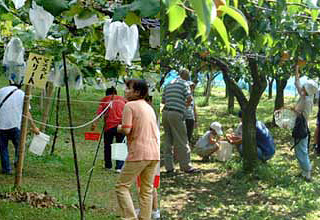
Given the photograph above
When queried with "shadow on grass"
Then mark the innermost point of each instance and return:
(271, 193)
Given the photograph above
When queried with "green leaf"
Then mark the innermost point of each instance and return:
(74, 10)
(233, 52)
(85, 14)
(240, 46)
(120, 13)
(237, 15)
(292, 9)
(132, 18)
(206, 13)
(221, 29)
(314, 14)
(147, 8)
(260, 3)
(3, 7)
(235, 3)
(177, 14)
(259, 41)
(55, 7)
(172, 3)
(269, 40)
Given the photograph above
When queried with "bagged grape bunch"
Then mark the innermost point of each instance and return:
(121, 41)
(13, 60)
(41, 20)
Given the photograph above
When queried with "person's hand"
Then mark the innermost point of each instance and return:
(228, 136)
(35, 130)
(119, 129)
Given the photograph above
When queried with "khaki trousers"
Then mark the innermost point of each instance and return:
(146, 170)
(175, 134)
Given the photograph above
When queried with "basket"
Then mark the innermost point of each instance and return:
(39, 143)
(119, 151)
(225, 151)
(285, 118)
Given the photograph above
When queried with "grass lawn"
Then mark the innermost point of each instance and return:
(55, 175)
(223, 191)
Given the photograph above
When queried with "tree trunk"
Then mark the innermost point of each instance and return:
(230, 94)
(279, 101)
(208, 89)
(270, 83)
(230, 102)
(248, 107)
(205, 92)
(47, 100)
(227, 91)
(249, 142)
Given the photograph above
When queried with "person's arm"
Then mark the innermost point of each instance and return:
(126, 125)
(189, 100)
(297, 82)
(234, 139)
(195, 116)
(163, 101)
(212, 139)
(33, 128)
(100, 109)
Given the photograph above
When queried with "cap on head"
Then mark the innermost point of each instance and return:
(217, 127)
(311, 87)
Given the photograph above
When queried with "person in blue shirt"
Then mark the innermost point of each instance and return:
(265, 143)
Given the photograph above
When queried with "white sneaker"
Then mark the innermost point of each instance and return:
(118, 170)
(156, 214)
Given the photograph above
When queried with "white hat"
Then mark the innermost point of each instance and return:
(311, 87)
(217, 127)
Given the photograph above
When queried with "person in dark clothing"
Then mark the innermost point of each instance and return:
(265, 143)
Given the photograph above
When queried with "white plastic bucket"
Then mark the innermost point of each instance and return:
(119, 151)
(225, 151)
(39, 143)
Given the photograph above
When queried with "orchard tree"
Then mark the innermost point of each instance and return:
(82, 47)
(274, 28)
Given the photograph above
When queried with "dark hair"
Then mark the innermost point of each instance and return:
(111, 91)
(240, 114)
(148, 98)
(138, 85)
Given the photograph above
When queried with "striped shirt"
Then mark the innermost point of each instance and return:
(175, 95)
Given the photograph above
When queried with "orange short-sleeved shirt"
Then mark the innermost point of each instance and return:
(143, 139)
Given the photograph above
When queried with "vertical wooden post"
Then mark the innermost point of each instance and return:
(57, 121)
(74, 149)
(48, 95)
(23, 137)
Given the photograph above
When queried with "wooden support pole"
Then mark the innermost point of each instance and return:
(48, 95)
(74, 149)
(57, 121)
(23, 137)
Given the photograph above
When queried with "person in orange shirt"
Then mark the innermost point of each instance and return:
(112, 119)
(139, 124)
